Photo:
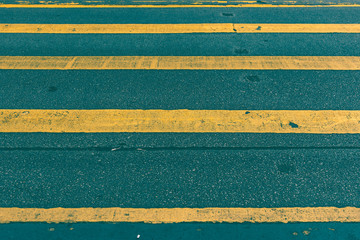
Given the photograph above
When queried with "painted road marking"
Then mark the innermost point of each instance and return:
(216, 5)
(179, 28)
(181, 62)
(258, 121)
(176, 215)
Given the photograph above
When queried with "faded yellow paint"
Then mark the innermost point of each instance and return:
(240, 5)
(117, 28)
(297, 28)
(176, 215)
(179, 28)
(182, 62)
(259, 121)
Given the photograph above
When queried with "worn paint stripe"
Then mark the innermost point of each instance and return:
(219, 5)
(182, 62)
(176, 215)
(259, 121)
(179, 28)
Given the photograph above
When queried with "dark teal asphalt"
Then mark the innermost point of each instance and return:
(141, 89)
(226, 44)
(204, 231)
(180, 169)
(180, 178)
(180, 15)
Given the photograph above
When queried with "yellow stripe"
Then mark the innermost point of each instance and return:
(271, 121)
(118, 28)
(240, 5)
(176, 215)
(182, 62)
(180, 28)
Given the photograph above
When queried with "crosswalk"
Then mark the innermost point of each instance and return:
(172, 100)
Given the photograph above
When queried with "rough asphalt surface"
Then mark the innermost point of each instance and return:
(175, 169)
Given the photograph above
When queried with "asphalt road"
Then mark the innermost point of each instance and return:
(140, 89)
(168, 178)
(180, 15)
(204, 231)
(169, 170)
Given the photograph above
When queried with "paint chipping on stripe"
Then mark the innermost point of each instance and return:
(182, 62)
(177, 215)
(257, 121)
(179, 28)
